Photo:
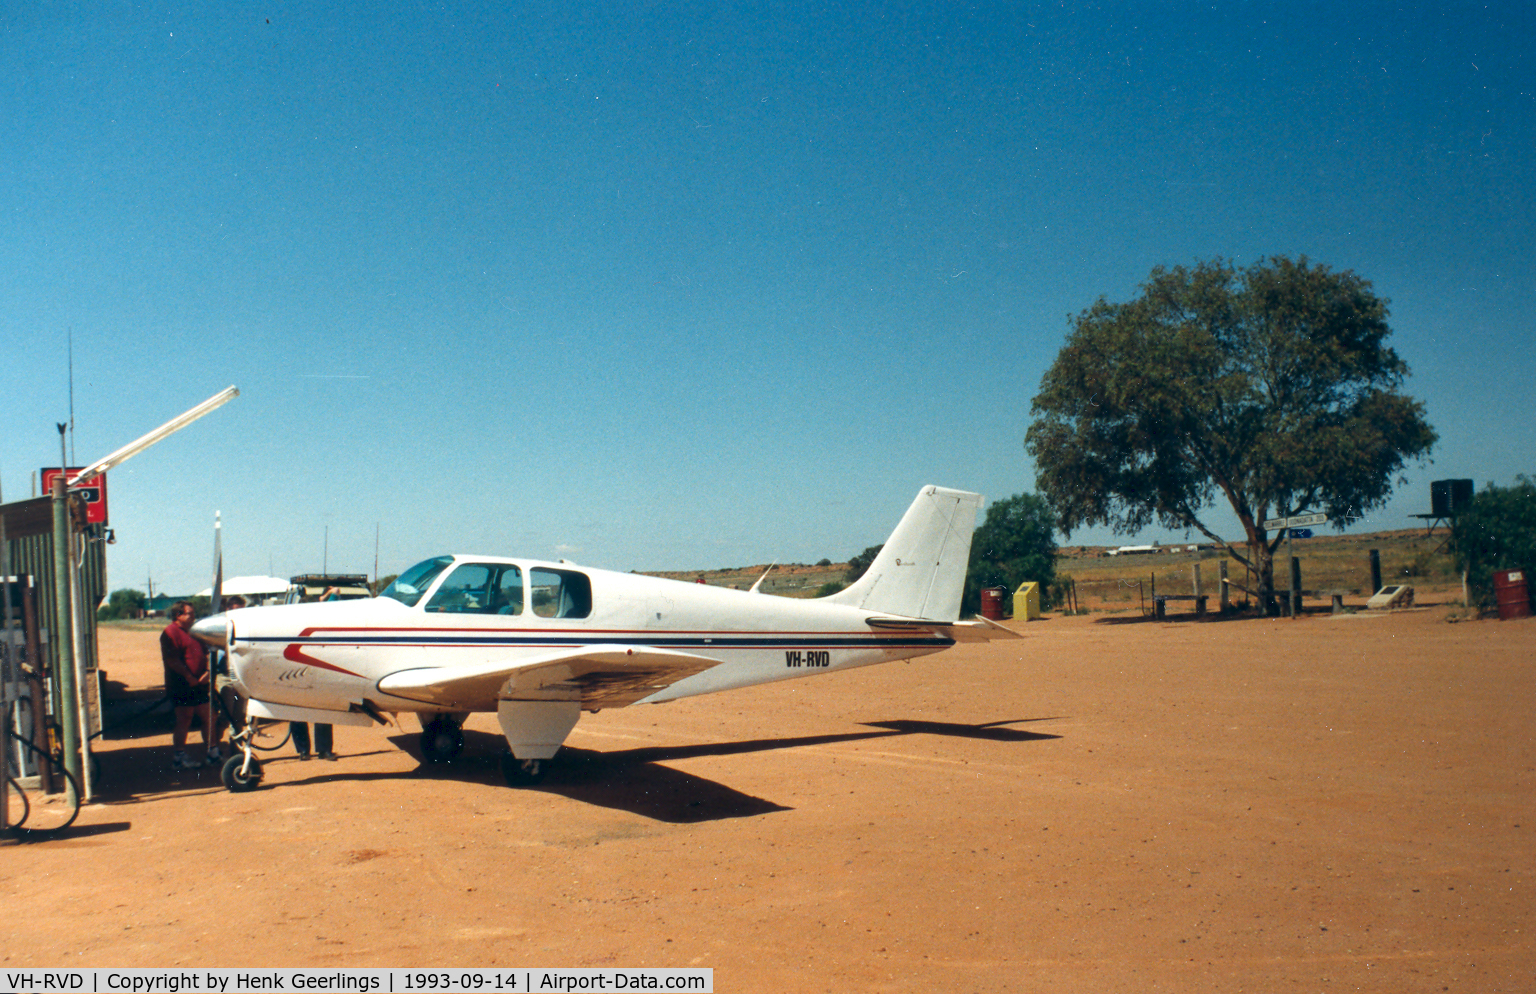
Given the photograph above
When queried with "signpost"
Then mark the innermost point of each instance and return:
(1291, 524)
(92, 491)
(1298, 521)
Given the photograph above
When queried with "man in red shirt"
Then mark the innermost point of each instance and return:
(186, 683)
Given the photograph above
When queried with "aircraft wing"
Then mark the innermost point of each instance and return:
(980, 630)
(599, 676)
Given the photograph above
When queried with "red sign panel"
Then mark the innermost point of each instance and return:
(93, 490)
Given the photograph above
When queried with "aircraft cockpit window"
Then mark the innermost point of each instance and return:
(559, 593)
(410, 585)
(480, 588)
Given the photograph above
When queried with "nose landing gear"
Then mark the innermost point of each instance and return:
(241, 772)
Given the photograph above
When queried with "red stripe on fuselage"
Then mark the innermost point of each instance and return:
(295, 654)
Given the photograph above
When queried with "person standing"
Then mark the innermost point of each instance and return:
(322, 739)
(300, 729)
(186, 684)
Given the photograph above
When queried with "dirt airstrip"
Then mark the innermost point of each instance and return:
(1108, 804)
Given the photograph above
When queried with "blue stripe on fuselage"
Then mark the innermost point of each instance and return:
(341, 637)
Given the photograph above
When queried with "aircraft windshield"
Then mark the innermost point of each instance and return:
(410, 585)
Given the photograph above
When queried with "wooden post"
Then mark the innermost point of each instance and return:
(1375, 571)
(1226, 603)
(1199, 594)
(1295, 587)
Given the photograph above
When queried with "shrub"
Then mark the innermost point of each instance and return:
(1497, 532)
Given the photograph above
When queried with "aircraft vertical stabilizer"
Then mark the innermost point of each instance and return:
(920, 573)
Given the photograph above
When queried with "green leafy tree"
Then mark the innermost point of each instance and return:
(1497, 532)
(125, 603)
(859, 564)
(1270, 388)
(1015, 543)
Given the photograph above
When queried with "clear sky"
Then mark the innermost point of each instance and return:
(676, 286)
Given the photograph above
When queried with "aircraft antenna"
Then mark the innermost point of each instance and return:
(71, 395)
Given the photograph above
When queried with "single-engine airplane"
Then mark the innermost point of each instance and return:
(540, 642)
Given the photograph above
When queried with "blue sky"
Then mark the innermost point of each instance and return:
(681, 286)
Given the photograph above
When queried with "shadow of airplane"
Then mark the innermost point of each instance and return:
(992, 731)
(634, 780)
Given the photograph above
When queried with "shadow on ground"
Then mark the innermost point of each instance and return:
(634, 780)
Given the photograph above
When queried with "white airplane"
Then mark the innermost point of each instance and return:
(540, 642)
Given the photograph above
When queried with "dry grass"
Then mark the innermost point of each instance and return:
(1328, 562)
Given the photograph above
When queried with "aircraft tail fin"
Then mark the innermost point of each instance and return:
(920, 573)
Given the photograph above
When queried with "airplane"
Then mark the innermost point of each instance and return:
(540, 642)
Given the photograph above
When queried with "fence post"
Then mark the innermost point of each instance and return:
(1226, 604)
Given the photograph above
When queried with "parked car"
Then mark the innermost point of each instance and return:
(312, 586)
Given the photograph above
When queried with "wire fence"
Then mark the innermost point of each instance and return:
(1119, 593)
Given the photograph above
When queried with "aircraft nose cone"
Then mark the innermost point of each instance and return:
(213, 630)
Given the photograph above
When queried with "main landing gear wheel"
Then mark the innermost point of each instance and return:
(239, 777)
(522, 772)
(441, 740)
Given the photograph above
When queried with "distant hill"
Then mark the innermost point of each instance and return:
(1329, 560)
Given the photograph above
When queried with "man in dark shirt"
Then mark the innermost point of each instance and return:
(186, 683)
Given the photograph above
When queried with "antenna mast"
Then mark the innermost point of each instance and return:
(71, 397)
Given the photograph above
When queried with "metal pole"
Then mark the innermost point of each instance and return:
(169, 428)
(63, 650)
(76, 644)
(77, 635)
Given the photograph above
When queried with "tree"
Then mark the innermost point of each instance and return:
(1016, 542)
(859, 564)
(1269, 387)
(123, 603)
(1498, 531)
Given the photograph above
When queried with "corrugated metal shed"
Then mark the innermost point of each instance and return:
(29, 540)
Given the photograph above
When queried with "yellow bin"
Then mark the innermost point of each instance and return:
(1026, 602)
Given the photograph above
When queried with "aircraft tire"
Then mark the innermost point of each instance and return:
(523, 772)
(237, 778)
(441, 741)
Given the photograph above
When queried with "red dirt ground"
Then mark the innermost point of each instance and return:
(1109, 804)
